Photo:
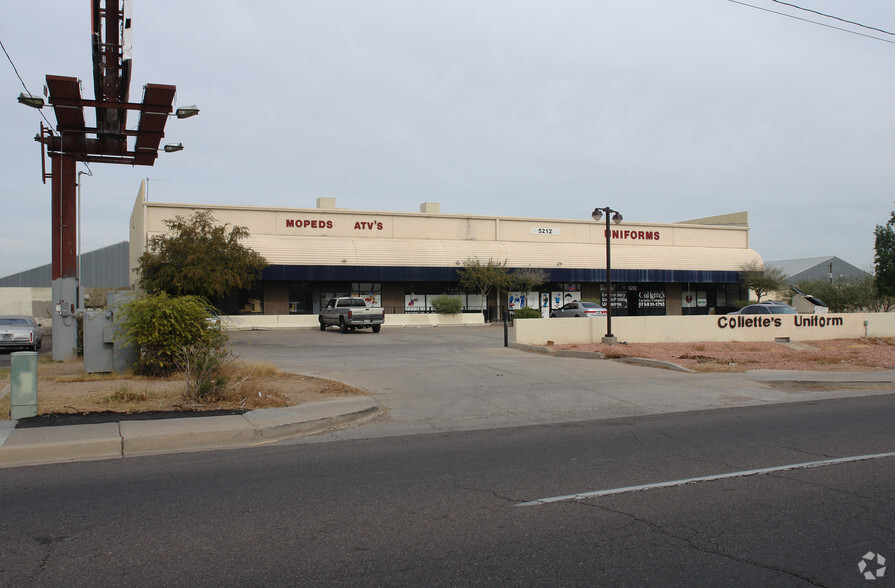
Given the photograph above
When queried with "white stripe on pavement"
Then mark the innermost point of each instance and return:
(740, 474)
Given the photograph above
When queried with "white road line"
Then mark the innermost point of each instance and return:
(740, 474)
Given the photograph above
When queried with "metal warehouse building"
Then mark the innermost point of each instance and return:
(400, 260)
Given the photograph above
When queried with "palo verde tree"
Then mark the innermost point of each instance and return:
(884, 258)
(762, 279)
(527, 279)
(199, 257)
(483, 277)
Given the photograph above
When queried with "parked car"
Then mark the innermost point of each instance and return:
(213, 320)
(578, 309)
(766, 308)
(350, 313)
(20, 331)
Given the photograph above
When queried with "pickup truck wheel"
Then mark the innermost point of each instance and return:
(343, 328)
(376, 328)
(322, 325)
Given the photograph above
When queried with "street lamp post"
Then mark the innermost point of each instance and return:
(597, 215)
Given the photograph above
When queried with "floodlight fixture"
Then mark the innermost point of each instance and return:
(186, 111)
(31, 100)
(172, 147)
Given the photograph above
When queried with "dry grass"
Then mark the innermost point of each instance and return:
(63, 387)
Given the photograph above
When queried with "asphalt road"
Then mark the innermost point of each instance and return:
(443, 509)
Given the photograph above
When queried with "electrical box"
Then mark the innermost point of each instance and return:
(23, 385)
(103, 349)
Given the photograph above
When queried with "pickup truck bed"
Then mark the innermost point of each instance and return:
(349, 314)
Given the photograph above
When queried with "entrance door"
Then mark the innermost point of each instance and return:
(633, 303)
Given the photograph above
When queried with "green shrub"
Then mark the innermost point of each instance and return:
(447, 304)
(523, 313)
(159, 326)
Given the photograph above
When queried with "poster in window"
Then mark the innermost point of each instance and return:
(372, 298)
(415, 303)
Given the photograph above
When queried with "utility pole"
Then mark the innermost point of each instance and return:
(108, 141)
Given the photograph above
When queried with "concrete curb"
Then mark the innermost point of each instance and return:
(641, 361)
(654, 363)
(43, 445)
(57, 444)
(579, 354)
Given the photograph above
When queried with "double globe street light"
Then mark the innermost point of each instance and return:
(609, 338)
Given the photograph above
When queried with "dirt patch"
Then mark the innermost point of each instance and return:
(846, 355)
(64, 389)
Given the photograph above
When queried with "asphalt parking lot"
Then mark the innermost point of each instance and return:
(463, 378)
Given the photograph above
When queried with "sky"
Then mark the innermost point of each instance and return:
(665, 111)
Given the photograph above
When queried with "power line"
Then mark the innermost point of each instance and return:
(15, 69)
(813, 22)
(43, 116)
(834, 17)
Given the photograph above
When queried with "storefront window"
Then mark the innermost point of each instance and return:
(369, 291)
(636, 299)
(418, 297)
(251, 301)
(301, 298)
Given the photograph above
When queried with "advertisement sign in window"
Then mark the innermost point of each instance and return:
(522, 300)
(372, 298)
(652, 299)
(415, 303)
(557, 299)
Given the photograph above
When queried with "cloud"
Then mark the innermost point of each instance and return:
(665, 111)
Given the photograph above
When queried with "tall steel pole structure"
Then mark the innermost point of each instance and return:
(108, 141)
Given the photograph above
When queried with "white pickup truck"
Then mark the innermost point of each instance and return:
(349, 314)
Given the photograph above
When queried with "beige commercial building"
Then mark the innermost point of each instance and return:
(401, 260)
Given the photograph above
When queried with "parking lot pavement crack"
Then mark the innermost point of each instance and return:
(492, 493)
(814, 454)
(50, 543)
(710, 550)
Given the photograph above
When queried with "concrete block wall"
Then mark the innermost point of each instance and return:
(684, 329)
(36, 302)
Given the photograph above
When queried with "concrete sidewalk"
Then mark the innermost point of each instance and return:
(54, 444)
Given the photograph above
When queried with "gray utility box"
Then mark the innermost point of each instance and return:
(23, 385)
(99, 341)
(102, 352)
